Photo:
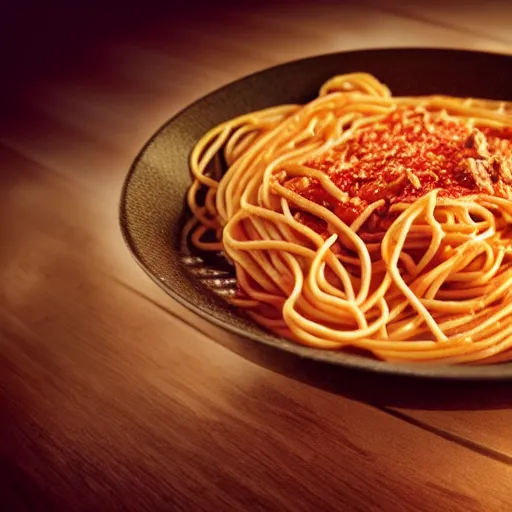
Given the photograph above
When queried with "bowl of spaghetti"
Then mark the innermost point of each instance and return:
(352, 208)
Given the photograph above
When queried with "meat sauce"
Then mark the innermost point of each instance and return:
(404, 157)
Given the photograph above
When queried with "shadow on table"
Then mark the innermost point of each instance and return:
(376, 389)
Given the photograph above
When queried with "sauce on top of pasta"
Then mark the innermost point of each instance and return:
(403, 157)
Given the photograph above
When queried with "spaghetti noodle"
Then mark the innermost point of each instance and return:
(366, 221)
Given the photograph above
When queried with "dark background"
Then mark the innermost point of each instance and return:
(41, 38)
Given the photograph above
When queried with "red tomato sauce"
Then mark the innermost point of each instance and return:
(402, 158)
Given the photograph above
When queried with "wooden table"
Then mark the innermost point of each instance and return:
(114, 397)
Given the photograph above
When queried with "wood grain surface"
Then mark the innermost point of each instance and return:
(114, 397)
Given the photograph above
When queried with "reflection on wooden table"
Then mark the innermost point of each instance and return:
(115, 397)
